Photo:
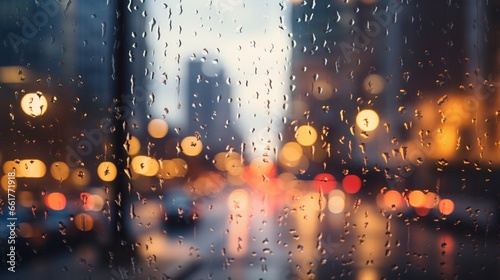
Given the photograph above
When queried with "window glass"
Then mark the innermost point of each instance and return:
(235, 139)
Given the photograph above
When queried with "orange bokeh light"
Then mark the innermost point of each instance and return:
(84, 222)
(417, 199)
(55, 201)
(422, 211)
(393, 199)
(431, 200)
(446, 206)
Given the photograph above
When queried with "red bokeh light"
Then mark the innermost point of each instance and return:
(324, 181)
(351, 184)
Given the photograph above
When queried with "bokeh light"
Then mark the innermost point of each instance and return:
(34, 104)
(393, 199)
(27, 168)
(168, 169)
(32, 168)
(10, 165)
(259, 172)
(206, 184)
(238, 200)
(146, 166)
(446, 206)
(445, 141)
(59, 170)
(87, 201)
(91, 202)
(324, 182)
(157, 128)
(5, 182)
(191, 146)
(374, 84)
(417, 199)
(367, 120)
(171, 168)
(98, 202)
(290, 154)
(55, 201)
(351, 184)
(234, 166)
(336, 201)
(322, 90)
(107, 171)
(182, 167)
(132, 146)
(431, 200)
(25, 198)
(80, 176)
(84, 222)
(306, 135)
(422, 211)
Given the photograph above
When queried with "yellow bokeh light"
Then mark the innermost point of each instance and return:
(33, 168)
(146, 166)
(157, 128)
(132, 146)
(80, 176)
(306, 135)
(182, 167)
(445, 141)
(367, 120)
(374, 84)
(296, 167)
(27, 168)
(10, 165)
(34, 104)
(59, 170)
(168, 169)
(191, 146)
(238, 200)
(368, 273)
(222, 159)
(84, 222)
(290, 153)
(107, 171)
(6, 181)
(234, 166)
